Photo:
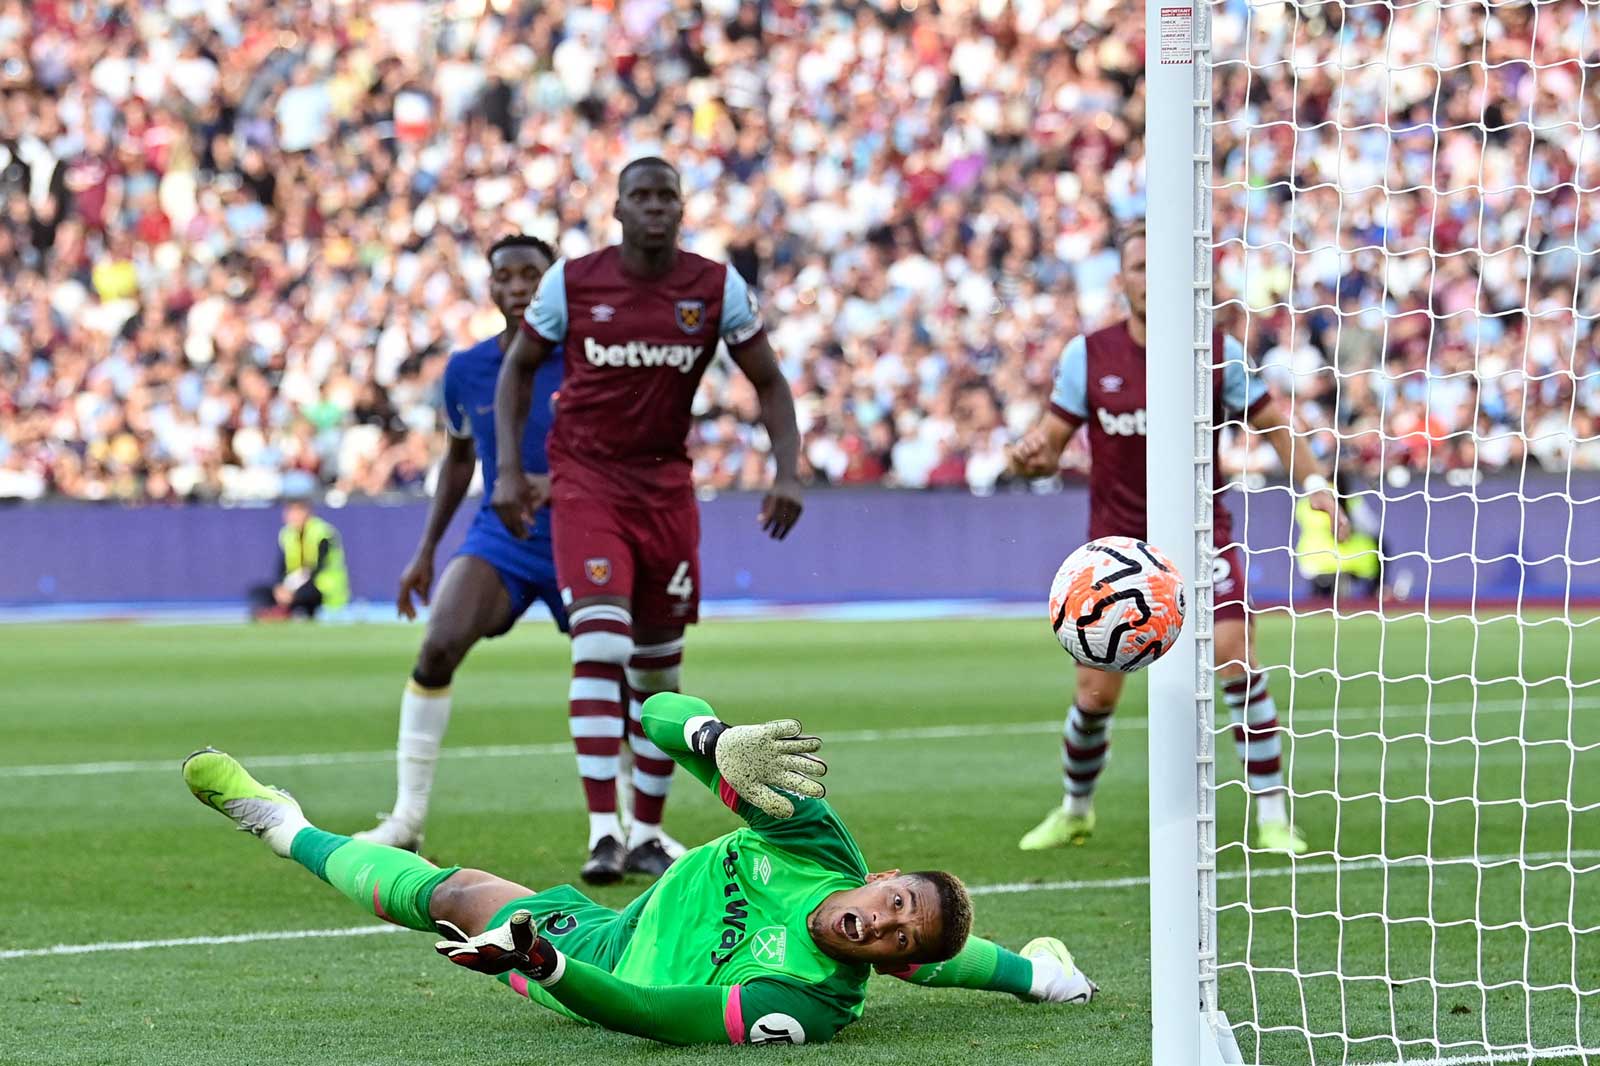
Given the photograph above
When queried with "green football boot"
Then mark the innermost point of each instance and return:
(1058, 829)
(218, 781)
(1280, 836)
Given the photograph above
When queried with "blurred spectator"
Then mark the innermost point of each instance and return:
(310, 574)
(240, 239)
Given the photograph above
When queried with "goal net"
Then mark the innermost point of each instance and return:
(1404, 231)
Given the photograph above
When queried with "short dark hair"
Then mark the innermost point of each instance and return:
(1126, 235)
(521, 240)
(646, 161)
(955, 916)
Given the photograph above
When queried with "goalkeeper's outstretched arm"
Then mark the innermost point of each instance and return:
(1043, 973)
(763, 773)
(671, 1014)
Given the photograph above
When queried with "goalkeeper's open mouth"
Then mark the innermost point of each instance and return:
(849, 927)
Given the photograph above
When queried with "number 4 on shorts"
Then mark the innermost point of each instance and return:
(681, 585)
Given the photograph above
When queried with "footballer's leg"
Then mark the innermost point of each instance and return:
(666, 598)
(1085, 740)
(653, 667)
(1256, 735)
(391, 883)
(472, 603)
(602, 642)
(595, 567)
(471, 898)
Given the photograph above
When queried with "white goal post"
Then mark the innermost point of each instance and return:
(1186, 1030)
(1439, 160)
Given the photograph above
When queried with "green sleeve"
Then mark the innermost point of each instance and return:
(672, 1014)
(814, 829)
(982, 965)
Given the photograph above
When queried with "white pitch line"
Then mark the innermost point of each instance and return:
(1527, 1055)
(195, 941)
(1002, 889)
(950, 732)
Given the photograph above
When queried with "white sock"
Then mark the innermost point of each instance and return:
(1079, 805)
(602, 825)
(280, 838)
(424, 714)
(642, 832)
(1270, 807)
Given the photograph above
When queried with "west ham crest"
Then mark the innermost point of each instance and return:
(598, 570)
(691, 315)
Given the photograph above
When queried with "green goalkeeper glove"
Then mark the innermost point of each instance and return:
(757, 760)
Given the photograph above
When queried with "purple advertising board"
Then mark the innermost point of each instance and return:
(1537, 540)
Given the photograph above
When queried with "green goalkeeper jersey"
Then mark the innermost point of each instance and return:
(733, 912)
(718, 950)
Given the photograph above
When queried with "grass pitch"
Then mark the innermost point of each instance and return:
(943, 742)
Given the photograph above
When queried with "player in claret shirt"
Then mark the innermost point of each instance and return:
(1100, 385)
(641, 322)
(765, 935)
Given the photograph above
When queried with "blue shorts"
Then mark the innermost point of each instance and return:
(526, 567)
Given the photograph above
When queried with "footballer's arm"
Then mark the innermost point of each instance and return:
(455, 478)
(781, 509)
(1045, 973)
(687, 729)
(1038, 453)
(1270, 418)
(674, 1014)
(514, 500)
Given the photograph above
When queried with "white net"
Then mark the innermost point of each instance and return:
(1405, 203)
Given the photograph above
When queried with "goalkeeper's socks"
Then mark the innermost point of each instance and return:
(424, 714)
(1255, 730)
(394, 885)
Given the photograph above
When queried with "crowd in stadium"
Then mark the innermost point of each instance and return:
(240, 240)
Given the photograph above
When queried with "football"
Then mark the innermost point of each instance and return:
(1117, 604)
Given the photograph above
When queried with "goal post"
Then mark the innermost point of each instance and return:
(1185, 1027)
(1394, 205)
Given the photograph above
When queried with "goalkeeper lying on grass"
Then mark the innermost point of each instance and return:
(765, 935)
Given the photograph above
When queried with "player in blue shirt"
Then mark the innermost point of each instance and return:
(494, 577)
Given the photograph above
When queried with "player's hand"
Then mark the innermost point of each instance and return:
(514, 945)
(781, 509)
(513, 501)
(1030, 456)
(756, 760)
(415, 580)
(539, 487)
(1056, 977)
(1323, 500)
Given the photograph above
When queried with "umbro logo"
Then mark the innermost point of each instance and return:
(764, 869)
(603, 312)
(1111, 383)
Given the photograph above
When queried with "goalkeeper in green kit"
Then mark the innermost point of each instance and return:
(765, 935)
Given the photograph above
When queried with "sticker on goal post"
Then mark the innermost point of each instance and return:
(1177, 36)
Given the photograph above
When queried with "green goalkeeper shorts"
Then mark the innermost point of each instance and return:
(579, 928)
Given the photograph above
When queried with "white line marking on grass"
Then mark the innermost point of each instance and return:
(1300, 869)
(948, 732)
(195, 941)
(1526, 1055)
(1003, 889)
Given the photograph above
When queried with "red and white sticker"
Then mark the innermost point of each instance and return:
(1177, 36)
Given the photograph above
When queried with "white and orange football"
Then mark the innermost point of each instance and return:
(1117, 604)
